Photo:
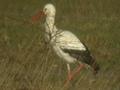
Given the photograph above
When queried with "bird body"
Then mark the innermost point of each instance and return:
(66, 45)
(62, 39)
(66, 40)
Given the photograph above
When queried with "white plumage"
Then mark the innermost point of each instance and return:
(66, 40)
(60, 39)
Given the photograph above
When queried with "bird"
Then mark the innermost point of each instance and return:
(66, 44)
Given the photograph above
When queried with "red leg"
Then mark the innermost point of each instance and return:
(73, 73)
(77, 70)
(69, 75)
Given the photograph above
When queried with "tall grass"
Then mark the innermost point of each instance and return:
(27, 63)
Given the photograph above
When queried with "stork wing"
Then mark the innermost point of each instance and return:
(67, 40)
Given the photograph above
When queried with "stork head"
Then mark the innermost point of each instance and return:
(49, 10)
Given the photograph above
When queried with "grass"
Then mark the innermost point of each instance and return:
(27, 63)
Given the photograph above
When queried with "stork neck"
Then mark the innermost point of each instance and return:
(49, 24)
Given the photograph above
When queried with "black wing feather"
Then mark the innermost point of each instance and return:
(83, 56)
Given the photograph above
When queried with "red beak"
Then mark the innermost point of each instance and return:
(37, 16)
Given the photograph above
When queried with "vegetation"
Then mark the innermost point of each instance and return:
(27, 63)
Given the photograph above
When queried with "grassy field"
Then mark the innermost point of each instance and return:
(27, 63)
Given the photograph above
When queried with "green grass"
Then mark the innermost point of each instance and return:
(26, 63)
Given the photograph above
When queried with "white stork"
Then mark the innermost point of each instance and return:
(66, 45)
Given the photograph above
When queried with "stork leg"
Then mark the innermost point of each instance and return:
(69, 75)
(69, 72)
(73, 73)
(77, 70)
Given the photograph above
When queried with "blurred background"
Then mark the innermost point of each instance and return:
(27, 63)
